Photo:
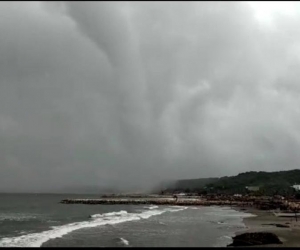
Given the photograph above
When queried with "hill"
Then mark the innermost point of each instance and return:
(269, 183)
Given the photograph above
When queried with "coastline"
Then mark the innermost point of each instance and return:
(264, 220)
(288, 235)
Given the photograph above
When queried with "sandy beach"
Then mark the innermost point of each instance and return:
(290, 236)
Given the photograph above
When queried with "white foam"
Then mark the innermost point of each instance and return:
(37, 239)
(17, 217)
(152, 207)
(223, 241)
(124, 241)
(120, 213)
(176, 208)
(148, 214)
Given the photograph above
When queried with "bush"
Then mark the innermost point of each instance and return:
(297, 196)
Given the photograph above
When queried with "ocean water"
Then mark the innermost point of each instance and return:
(39, 220)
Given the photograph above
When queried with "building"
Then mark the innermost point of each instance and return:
(237, 195)
(252, 188)
(296, 187)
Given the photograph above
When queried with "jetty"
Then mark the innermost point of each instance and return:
(263, 203)
(156, 201)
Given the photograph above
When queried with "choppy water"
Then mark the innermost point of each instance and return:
(40, 220)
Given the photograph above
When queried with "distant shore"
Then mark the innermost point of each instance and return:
(261, 223)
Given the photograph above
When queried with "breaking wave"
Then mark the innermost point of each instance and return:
(37, 239)
(17, 217)
(124, 241)
(152, 207)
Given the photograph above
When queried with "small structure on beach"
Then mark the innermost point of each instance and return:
(181, 194)
(252, 188)
(237, 195)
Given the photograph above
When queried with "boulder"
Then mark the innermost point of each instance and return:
(281, 225)
(252, 239)
(276, 225)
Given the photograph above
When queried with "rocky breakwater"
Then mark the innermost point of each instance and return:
(157, 201)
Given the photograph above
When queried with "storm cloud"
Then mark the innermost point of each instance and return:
(127, 94)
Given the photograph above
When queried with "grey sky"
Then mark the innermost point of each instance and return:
(132, 93)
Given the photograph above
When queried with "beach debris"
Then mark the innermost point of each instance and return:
(257, 238)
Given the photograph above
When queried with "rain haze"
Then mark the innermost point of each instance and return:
(128, 94)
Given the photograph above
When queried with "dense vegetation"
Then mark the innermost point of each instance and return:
(269, 183)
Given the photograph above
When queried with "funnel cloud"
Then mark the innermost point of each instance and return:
(129, 94)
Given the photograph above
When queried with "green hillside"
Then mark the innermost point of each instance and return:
(269, 183)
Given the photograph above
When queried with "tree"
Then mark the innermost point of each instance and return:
(297, 195)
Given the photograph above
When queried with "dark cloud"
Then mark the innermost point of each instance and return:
(127, 94)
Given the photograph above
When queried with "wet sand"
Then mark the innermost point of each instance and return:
(289, 236)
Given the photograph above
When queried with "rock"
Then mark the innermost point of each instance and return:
(281, 225)
(277, 225)
(252, 239)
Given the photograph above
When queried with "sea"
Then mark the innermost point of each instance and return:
(40, 220)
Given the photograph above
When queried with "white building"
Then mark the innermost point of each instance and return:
(237, 195)
(252, 188)
(296, 187)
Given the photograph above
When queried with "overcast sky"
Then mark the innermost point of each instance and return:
(132, 93)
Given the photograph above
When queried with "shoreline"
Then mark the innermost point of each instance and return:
(261, 207)
(261, 223)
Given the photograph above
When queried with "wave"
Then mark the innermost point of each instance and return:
(120, 213)
(152, 207)
(17, 217)
(223, 241)
(37, 239)
(176, 208)
(124, 241)
(225, 212)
